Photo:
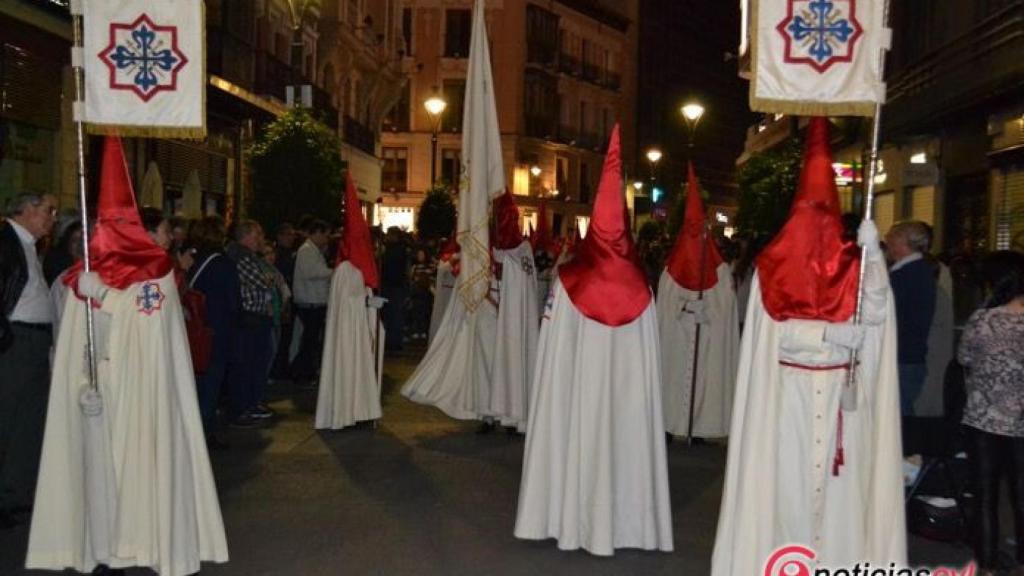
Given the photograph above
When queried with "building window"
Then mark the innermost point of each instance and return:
(541, 103)
(457, 27)
(394, 173)
(397, 119)
(407, 30)
(562, 174)
(451, 167)
(541, 35)
(454, 93)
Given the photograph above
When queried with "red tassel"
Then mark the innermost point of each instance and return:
(839, 460)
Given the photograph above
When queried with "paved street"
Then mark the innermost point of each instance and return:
(421, 494)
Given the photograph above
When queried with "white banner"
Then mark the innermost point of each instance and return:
(483, 169)
(145, 67)
(817, 57)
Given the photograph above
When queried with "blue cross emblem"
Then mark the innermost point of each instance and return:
(821, 33)
(143, 57)
(150, 298)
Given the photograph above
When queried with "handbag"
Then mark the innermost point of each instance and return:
(199, 333)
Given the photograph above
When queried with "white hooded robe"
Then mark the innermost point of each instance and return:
(779, 483)
(167, 516)
(348, 371)
(716, 367)
(594, 471)
(517, 331)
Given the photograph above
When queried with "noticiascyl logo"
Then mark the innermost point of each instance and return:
(797, 560)
(792, 560)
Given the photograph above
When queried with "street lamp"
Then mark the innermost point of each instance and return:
(692, 113)
(435, 106)
(653, 156)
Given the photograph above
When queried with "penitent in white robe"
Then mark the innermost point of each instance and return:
(779, 482)
(594, 471)
(167, 516)
(348, 371)
(517, 331)
(456, 373)
(443, 286)
(716, 367)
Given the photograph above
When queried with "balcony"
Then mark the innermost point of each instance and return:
(273, 76)
(568, 64)
(231, 58)
(981, 65)
(359, 136)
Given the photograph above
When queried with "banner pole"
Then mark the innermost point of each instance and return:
(78, 71)
(869, 202)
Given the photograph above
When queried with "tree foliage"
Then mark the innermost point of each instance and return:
(767, 183)
(437, 214)
(296, 170)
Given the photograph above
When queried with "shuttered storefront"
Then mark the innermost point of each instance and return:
(30, 114)
(1008, 199)
(885, 211)
(177, 160)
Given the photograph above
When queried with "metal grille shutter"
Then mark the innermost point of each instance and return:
(1008, 193)
(30, 87)
(885, 211)
(922, 204)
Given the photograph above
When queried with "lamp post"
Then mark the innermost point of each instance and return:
(692, 112)
(435, 106)
(653, 157)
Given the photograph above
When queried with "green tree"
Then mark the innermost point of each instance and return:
(296, 170)
(767, 183)
(437, 214)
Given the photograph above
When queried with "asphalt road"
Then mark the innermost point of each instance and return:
(420, 494)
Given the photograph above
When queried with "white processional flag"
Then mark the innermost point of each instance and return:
(145, 67)
(817, 57)
(483, 170)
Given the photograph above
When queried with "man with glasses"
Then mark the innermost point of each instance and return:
(26, 316)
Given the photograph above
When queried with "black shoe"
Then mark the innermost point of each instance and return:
(104, 570)
(245, 421)
(262, 412)
(669, 437)
(697, 441)
(485, 428)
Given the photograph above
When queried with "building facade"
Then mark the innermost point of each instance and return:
(563, 74)
(953, 127)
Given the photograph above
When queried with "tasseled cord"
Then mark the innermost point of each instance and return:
(839, 460)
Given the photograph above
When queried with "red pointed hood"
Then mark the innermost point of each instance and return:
(507, 234)
(684, 263)
(120, 250)
(604, 280)
(808, 271)
(355, 245)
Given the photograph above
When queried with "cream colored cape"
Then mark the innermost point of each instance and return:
(716, 367)
(779, 487)
(517, 331)
(594, 471)
(348, 370)
(167, 516)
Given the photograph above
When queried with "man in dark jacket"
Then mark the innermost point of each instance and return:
(26, 316)
(913, 281)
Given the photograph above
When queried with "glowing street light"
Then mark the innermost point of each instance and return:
(535, 170)
(653, 155)
(435, 106)
(692, 112)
